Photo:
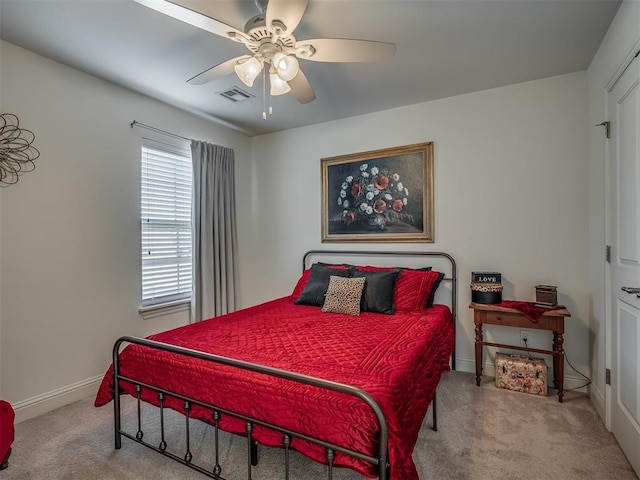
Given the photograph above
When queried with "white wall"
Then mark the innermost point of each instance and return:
(511, 192)
(511, 195)
(623, 38)
(69, 256)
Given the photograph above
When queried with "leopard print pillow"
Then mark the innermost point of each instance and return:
(343, 295)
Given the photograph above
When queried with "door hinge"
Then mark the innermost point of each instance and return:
(607, 376)
(607, 128)
(608, 253)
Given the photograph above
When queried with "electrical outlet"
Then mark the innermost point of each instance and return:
(524, 336)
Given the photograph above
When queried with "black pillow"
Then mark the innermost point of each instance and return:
(336, 265)
(377, 296)
(316, 287)
(436, 284)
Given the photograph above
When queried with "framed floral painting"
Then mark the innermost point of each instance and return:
(379, 196)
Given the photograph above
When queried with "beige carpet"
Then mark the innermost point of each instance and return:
(484, 433)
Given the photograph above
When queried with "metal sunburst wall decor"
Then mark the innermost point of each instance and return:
(16, 150)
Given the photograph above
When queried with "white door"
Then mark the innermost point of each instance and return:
(624, 149)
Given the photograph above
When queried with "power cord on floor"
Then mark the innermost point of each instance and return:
(525, 340)
(579, 373)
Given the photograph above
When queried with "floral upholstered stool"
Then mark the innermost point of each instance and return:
(7, 432)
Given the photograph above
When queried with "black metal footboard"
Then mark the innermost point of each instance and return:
(380, 462)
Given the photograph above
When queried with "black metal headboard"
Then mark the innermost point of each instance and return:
(448, 267)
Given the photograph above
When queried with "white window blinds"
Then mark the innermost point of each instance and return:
(166, 223)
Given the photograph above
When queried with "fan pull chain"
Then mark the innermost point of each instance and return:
(264, 94)
(270, 96)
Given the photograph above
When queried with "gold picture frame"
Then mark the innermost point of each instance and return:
(379, 196)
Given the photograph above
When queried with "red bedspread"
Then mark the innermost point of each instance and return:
(398, 359)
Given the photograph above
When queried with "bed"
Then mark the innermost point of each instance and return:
(347, 390)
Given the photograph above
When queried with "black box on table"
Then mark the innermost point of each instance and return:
(486, 287)
(487, 293)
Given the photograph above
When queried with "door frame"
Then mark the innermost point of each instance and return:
(631, 55)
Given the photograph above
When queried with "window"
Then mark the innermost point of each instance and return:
(166, 223)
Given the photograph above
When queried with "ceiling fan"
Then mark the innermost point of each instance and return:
(274, 49)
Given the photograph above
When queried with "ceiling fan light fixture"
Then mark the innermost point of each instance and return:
(269, 38)
(287, 66)
(248, 70)
(278, 86)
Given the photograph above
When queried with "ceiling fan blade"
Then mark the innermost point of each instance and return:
(301, 88)
(218, 71)
(289, 12)
(344, 50)
(194, 18)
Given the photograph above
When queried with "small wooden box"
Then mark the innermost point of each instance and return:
(547, 295)
(521, 374)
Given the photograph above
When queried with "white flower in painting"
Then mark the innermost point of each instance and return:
(339, 201)
(396, 177)
(363, 167)
(349, 179)
(370, 196)
(365, 175)
(344, 212)
(345, 204)
(369, 210)
(374, 170)
(343, 193)
(344, 185)
(388, 197)
(400, 187)
(406, 191)
(404, 202)
(371, 187)
(363, 207)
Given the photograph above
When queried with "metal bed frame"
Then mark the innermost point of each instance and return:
(380, 460)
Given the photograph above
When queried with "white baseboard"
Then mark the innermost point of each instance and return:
(34, 406)
(570, 382)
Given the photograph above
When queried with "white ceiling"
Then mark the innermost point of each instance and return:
(444, 48)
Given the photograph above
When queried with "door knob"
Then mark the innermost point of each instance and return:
(631, 290)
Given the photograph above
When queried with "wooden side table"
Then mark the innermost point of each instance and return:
(553, 320)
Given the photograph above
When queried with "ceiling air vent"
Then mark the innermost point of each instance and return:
(235, 94)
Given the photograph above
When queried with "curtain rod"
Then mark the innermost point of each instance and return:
(149, 127)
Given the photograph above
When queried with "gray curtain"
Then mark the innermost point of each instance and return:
(215, 245)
